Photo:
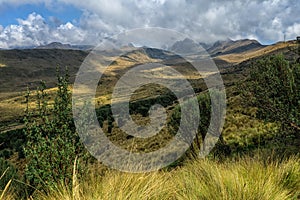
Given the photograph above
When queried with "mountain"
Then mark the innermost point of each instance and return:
(205, 45)
(58, 45)
(83, 47)
(236, 56)
(55, 45)
(27, 67)
(230, 46)
(186, 46)
(20, 69)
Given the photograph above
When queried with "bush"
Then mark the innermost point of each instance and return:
(52, 143)
(274, 88)
(205, 110)
(12, 141)
(250, 178)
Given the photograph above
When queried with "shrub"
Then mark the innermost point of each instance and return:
(274, 88)
(52, 143)
(205, 110)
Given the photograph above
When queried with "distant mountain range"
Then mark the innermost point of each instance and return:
(218, 48)
(230, 46)
(186, 46)
(58, 45)
(20, 68)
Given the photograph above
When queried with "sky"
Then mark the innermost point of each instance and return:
(26, 23)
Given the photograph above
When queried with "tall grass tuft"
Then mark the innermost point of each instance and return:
(245, 178)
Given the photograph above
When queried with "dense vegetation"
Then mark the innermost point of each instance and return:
(264, 107)
(274, 88)
(52, 143)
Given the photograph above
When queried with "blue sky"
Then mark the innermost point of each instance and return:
(38, 22)
(65, 13)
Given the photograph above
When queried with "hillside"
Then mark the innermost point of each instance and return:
(26, 68)
(58, 45)
(230, 47)
(20, 69)
(280, 47)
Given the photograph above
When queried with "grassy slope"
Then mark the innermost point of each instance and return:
(238, 58)
(22, 68)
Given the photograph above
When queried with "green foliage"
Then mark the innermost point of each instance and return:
(205, 110)
(243, 131)
(7, 173)
(52, 143)
(12, 141)
(274, 88)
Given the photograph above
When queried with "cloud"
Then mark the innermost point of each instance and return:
(54, 21)
(203, 20)
(29, 32)
(34, 31)
(293, 30)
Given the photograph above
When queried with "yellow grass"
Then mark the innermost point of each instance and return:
(13, 105)
(246, 178)
(238, 58)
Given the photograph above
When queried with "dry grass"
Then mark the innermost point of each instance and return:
(13, 105)
(238, 58)
(246, 178)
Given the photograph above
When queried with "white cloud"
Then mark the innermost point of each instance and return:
(204, 20)
(293, 30)
(34, 31)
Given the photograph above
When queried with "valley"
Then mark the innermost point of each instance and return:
(244, 131)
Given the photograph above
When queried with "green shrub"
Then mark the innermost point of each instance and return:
(274, 88)
(52, 142)
(12, 141)
(205, 111)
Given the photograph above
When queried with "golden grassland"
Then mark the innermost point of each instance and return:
(238, 58)
(258, 177)
(13, 104)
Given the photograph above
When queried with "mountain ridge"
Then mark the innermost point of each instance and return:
(21, 68)
(233, 46)
(58, 45)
